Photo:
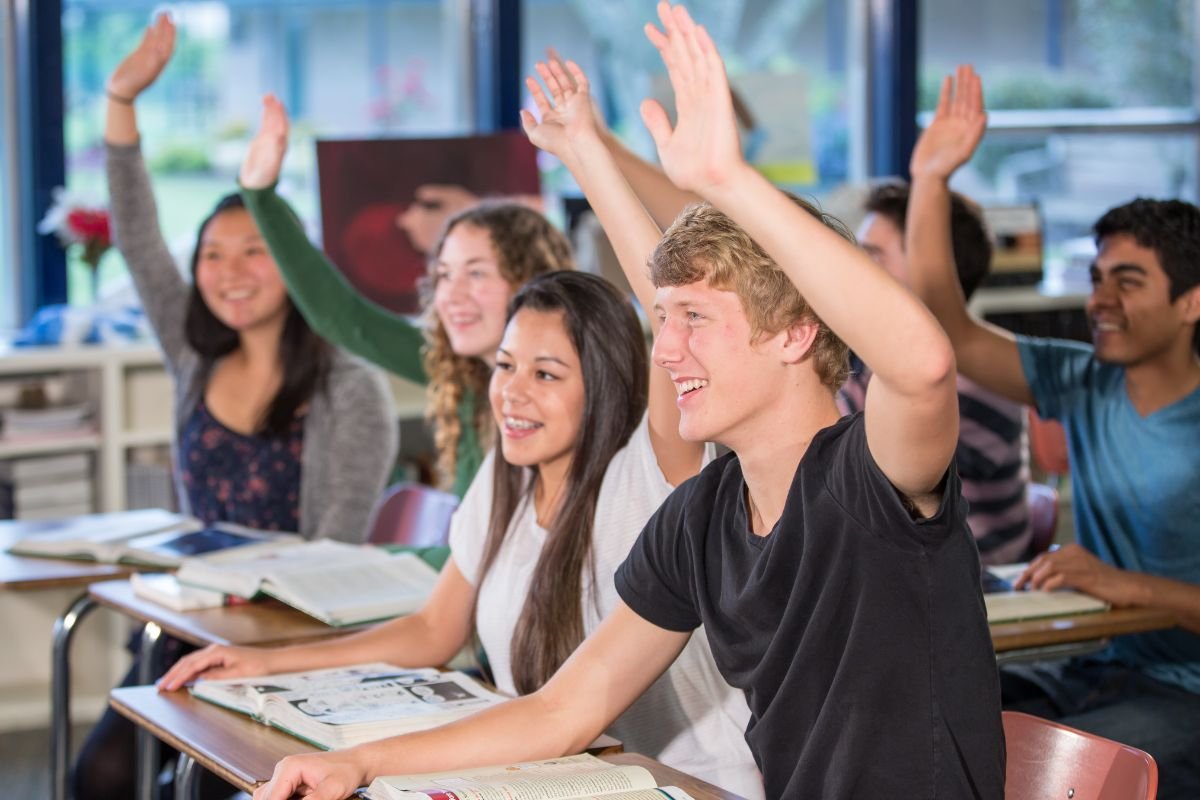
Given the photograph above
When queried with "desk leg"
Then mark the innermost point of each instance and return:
(147, 745)
(60, 694)
(186, 775)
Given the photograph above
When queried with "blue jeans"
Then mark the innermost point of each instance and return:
(1118, 703)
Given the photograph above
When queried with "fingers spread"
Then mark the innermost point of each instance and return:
(656, 121)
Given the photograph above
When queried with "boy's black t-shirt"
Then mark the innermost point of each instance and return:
(858, 635)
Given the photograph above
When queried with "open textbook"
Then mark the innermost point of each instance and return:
(1005, 605)
(336, 708)
(337, 583)
(150, 537)
(580, 777)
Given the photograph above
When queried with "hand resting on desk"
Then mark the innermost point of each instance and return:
(1073, 567)
(217, 662)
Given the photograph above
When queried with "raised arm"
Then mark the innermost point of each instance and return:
(163, 291)
(984, 353)
(333, 308)
(662, 199)
(600, 680)
(912, 407)
(428, 638)
(568, 130)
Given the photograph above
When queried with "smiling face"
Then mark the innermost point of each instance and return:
(726, 380)
(1132, 318)
(470, 295)
(235, 274)
(537, 392)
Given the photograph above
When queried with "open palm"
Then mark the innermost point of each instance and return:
(565, 106)
(956, 129)
(264, 158)
(702, 150)
(142, 67)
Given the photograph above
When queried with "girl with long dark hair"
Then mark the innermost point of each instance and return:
(579, 466)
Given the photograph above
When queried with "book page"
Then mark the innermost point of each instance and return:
(379, 695)
(250, 694)
(93, 528)
(1034, 604)
(572, 777)
(380, 587)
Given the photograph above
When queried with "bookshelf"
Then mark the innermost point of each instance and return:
(130, 396)
(123, 385)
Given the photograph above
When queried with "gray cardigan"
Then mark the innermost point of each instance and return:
(350, 434)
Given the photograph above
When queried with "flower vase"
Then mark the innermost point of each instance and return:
(93, 254)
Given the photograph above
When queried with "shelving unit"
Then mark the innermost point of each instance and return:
(106, 371)
(131, 400)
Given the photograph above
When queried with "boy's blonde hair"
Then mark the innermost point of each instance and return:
(705, 244)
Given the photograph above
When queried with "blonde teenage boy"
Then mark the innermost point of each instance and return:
(828, 559)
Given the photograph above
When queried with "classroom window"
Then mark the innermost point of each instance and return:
(1091, 103)
(344, 68)
(792, 62)
(8, 175)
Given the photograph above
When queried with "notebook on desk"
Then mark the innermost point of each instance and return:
(1004, 604)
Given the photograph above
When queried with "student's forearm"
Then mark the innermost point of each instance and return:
(930, 253)
(1177, 597)
(875, 316)
(630, 228)
(332, 307)
(409, 641)
(524, 729)
(661, 198)
(120, 123)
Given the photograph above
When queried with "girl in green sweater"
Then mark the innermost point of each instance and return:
(484, 255)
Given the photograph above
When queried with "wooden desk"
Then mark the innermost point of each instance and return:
(244, 752)
(27, 573)
(1027, 638)
(264, 622)
(256, 624)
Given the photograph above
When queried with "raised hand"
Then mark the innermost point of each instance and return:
(567, 113)
(701, 153)
(956, 129)
(320, 776)
(142, 67)
(264, 158)
(216, 662)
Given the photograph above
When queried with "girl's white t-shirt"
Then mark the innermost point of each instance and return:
(690, 718)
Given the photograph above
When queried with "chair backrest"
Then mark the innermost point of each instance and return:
(1048, 444)
(412, 514)
(1043, 515)
(1050, 760)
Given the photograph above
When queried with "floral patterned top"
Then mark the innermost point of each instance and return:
(247, 479)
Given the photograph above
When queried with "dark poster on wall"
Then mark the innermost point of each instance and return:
(383, 201)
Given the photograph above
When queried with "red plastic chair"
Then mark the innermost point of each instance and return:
(1047, 760)
(412, 514)
(1043, 515)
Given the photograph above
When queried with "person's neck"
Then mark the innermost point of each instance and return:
(258, 349)
(1157, 383)
(770, 453)
(547, 491)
